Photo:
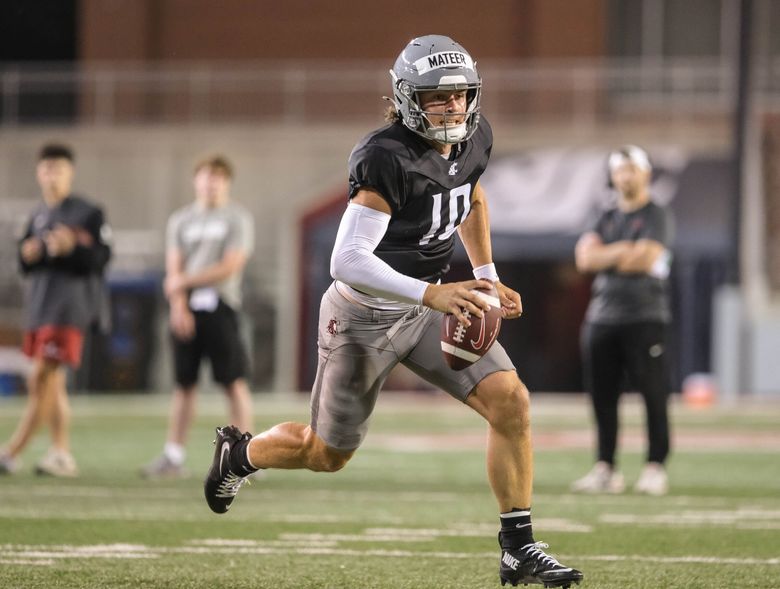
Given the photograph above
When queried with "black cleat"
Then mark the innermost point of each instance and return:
(530, 564)
(221, 484)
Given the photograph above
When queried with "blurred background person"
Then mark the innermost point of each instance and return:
(626, 324)
(208, 244)
(63, 253)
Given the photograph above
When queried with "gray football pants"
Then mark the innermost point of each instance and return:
(359, 346)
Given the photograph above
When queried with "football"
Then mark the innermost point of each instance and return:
(462, 346)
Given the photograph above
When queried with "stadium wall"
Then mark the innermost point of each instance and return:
(141, 174)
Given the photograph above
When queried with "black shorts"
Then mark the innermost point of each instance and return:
(216, 337)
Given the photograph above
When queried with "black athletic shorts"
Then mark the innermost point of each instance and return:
(217, 338)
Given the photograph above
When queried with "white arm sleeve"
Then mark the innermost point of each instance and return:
(353, 260)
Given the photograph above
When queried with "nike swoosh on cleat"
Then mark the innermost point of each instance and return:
(225, 450)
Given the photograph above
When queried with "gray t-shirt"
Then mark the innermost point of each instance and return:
(631, 298)
(203, 236)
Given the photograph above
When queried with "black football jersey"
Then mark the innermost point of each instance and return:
(429, 195)
(630, 298)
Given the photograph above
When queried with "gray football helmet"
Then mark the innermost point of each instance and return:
(435, 62)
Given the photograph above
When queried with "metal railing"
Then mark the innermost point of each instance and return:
(305, 92)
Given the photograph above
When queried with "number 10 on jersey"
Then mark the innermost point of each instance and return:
(437, 212)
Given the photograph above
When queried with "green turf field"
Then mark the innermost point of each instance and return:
(412, 510)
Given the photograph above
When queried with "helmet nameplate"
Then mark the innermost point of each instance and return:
(444, 59)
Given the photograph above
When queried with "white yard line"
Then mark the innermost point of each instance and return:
(27, 562)
(477, 530)
(11, 513)
(746, 519)
(678, 559)
(109, 492)
(92, 491)
(60, 551)
(323, 518)
(316, 539)
(630, 500)
(40, 555)
(112, 492)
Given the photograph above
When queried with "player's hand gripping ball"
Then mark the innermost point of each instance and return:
(462, 346)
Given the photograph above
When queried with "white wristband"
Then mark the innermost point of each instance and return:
(487, 272)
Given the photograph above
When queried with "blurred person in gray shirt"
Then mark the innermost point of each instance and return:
(208, 244)
(624, 338)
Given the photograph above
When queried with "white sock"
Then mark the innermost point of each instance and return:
(175, 452)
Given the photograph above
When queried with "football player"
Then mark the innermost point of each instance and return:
(413, 184)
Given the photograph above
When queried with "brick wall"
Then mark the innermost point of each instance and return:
(141, 30)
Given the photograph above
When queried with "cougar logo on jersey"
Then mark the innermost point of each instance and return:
(453, 169)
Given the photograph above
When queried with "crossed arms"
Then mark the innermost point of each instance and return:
(627, 257)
